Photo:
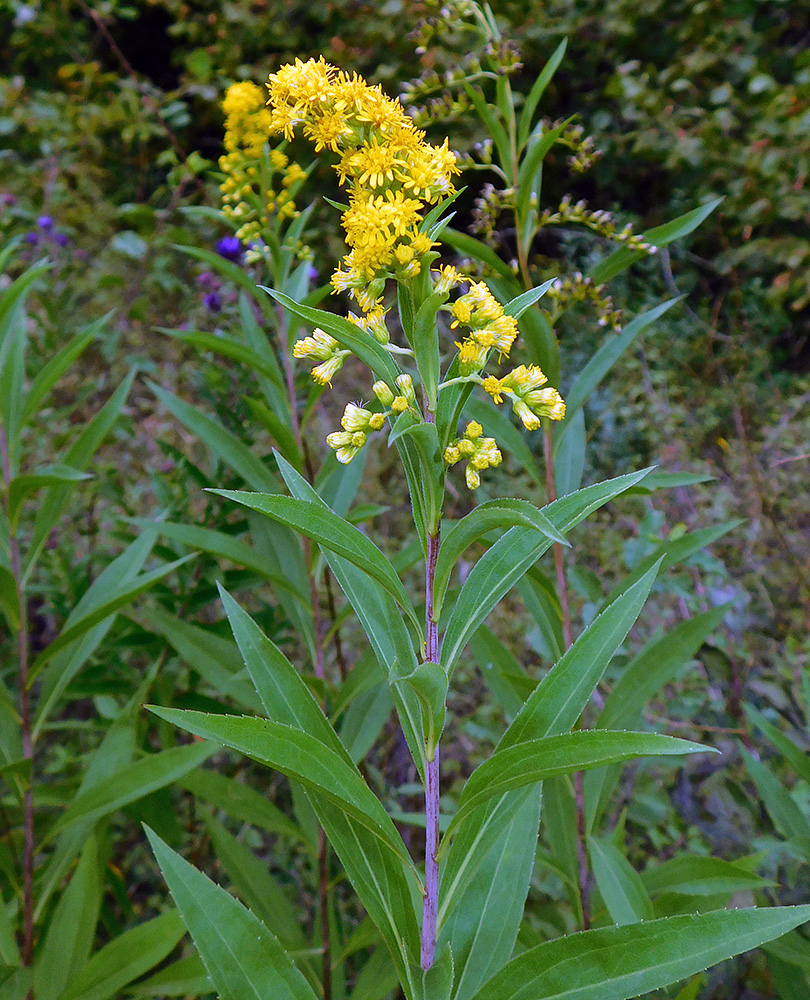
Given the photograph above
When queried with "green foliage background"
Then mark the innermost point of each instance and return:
(110, 125)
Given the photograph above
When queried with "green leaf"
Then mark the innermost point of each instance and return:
(228, 447)
(537, 91)
(132, 782)
(223, 546)
(119, 597)
(332, 532)
(61, 670)
(619, 884)
(502, 671)
(539, 595)
(534, 760)
(670, 553)
(794, 755)
(240, 802)
(298, 755)
(700, 876)
(517, 306)
(616, 963)
(539, 146)
(361, 344)
(468, 246)
(243, 959)
(226, 346)
(501, 513)
(559, 699)
(569, 454)
(488, 116)
(487, 913)
(72, 929)
(786, 815)
(281, 689)
(183, 978)
(429, 683)
(509, 558)
(77, 457)
(421, 454)
(657, 664)
(660, 236)
(215, 658)
(49, 475)
(607, 356)
(125, 958)
(278, 429)
(57, 365)
(257, 887)
(426, 345)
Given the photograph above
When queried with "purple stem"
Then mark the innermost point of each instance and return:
(431, 901)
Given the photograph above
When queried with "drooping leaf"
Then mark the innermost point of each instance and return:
(318, 522)
(619, 884)
(298, 755)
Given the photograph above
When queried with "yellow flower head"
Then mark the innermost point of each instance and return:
(481, 453)
(389, 169)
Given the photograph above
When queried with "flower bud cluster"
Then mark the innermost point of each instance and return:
(530, 401)
(247, 122)
(601, 222)
(576, 288)
(487, 208)
(391, 173)
(489, 327)
(481, 453)
(358, 422)
(322, 347)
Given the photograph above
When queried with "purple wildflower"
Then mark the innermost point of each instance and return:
(31, 238)
(61, 239)
(230, 248)
(212, 302)
(45, 222)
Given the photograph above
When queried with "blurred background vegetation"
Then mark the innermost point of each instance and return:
(110, 131)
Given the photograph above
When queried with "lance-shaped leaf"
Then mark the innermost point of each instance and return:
(419, 450)
(533, 761)
(502, 513)
(119, 597)
(657, 664)
(537, 91)
(133, 782)
(360, 343)
(539, 146)
(700, 876)
(283, 693)
(57, 365)
(233, 452)
(509, 558)
(616, 963)
(619, 884)
(482, 931)
(125, 958)
(331, 532)
(426, 345)
(50, 475)
(558, 700)
(244, 960)
(297, 755)
(518, 305)
(606, 357)
(381, 620)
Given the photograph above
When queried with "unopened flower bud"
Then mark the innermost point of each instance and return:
(383, 392)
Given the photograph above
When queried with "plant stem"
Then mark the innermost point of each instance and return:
(25, 719)
(320, 670)
(568, 638)
(431, 902)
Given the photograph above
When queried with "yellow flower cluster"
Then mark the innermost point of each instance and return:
(391, 173)
(489, 327)
(480, 452)
(529, 401)
(249, 194)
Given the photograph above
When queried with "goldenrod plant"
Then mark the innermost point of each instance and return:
(443, 923)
